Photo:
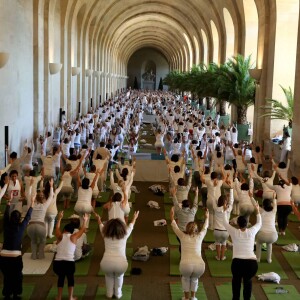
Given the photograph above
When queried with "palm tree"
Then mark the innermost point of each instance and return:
(278, 111)
(237, 86)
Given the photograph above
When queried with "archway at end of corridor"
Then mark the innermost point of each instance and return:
(147, 65)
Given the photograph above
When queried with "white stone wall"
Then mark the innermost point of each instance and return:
(16, 77)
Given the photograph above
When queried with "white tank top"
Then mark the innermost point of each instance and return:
(116, 211)
(65, 249)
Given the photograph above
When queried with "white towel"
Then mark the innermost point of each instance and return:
(161, 222)
(271, 276)
(291, 248)
(153, 204)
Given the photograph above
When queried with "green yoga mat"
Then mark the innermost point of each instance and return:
(83, 266)
(293, 258)
(293, 218)
(177, 292)
(104, 197)
(209, 237)
(27, 290)
(287, 239)
(167, 199)
(223, 268)
(219, 268)
(79, 291)
(270, 291)
(274, 266)
(92, 231)
(174, 262)
(129, 253)
(225, 292)
(172, 237)
(126, 290)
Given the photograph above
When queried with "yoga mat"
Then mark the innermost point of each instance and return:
(129, 253)
(274, 266)
(126, 290)
(27, 290)
(286, 239)
(270, 291)
(104, 197)
(83, 266)
(177, 292)
(174, 262)
(37, 266)
(293, 218)
(132, 197)
(219, 268)
(79, 291)
(293, 258)
(167, 199)
(209, 237)
(172, 237)
(167, 212)
(225, 292)
(92, 231)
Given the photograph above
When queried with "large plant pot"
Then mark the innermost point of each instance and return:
(243, 132)
(224, 120)
(211, 113)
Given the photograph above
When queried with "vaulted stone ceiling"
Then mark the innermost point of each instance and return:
(124, 26)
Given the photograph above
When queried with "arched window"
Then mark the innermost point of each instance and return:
(215, 41)
(229, 33)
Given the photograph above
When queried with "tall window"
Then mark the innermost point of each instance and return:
(229, 33)
(215, 41)
(205, 47)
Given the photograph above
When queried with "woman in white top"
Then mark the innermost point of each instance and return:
(36, 229)
(27, 157)
(283, 193)
(52, 211)
(114, 262)
(159, 142)
(244, 264)
(191, 265)
(268, 233)
(84, 201)
(220, 233)
(295, 190)
(64, 264)
(286, 146)
(267, 192)
(31, 183)
(118, 206)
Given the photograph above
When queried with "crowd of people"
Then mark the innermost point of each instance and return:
(75, 159)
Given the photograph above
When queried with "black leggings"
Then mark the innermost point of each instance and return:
(283, 212)
(11, 268)
(64, 268)
(242, 269)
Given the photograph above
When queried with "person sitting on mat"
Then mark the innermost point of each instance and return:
(191, 264)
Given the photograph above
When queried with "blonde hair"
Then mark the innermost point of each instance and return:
(191, 228)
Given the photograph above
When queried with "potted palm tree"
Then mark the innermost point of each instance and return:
(238, 88)
(276, 110)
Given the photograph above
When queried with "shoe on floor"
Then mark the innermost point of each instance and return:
(223, 258)
(193, 298)
(217, 258)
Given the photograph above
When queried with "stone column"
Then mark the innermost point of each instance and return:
(295, 162)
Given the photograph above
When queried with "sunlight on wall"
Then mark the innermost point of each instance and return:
(251, 22)
(205, 47)
(229, 34)
(215, 42)
(197, 51)
(190, 56)
(285, 52)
